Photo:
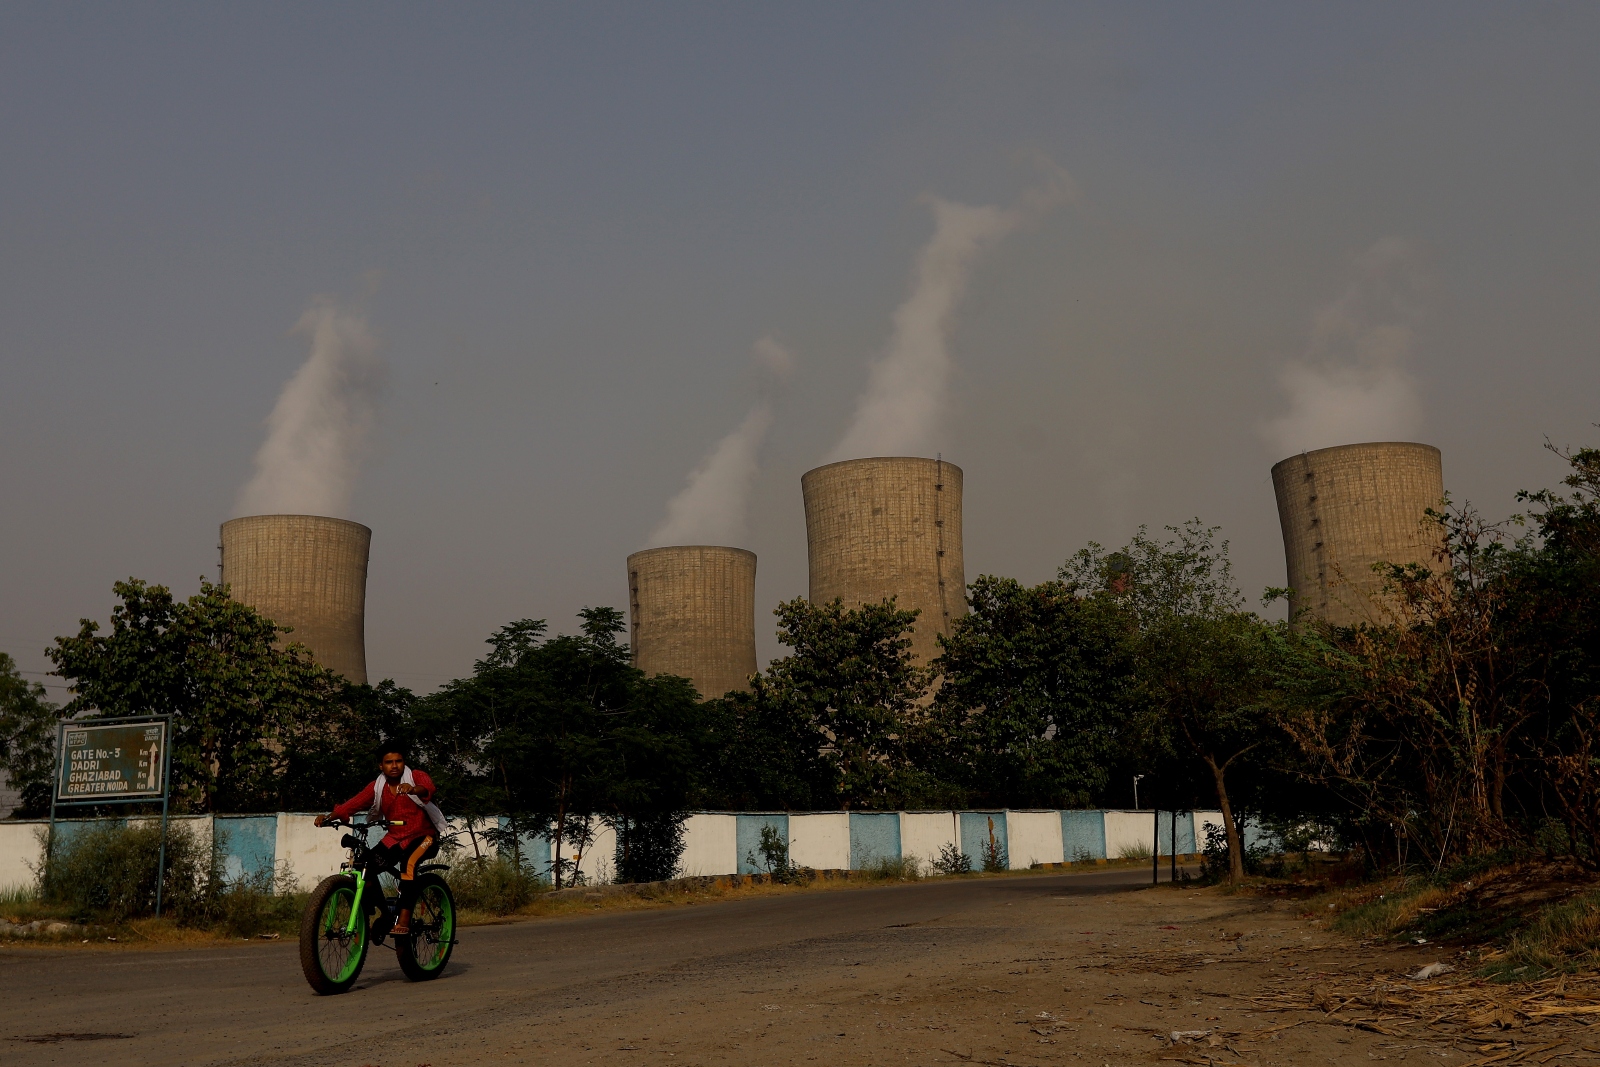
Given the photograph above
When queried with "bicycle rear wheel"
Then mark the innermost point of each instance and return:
(332, 954)
(433, 931)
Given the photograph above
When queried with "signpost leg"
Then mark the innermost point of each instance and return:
(50, 838)
(1155, 846)
(166, 792)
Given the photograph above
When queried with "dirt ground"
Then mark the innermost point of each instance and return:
(1193, 976)
(1020, 971)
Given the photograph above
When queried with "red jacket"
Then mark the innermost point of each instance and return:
(407, 822)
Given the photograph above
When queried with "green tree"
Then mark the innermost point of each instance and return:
(1036, 686)
(761, 753)
(27, 739)
(852, 687)
(324, 759)
(236, 697)
(557, 733)
(1205, 666)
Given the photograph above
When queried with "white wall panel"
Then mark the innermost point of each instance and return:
(20, 852)
(312, 852)
(820, 841)
(924, 834)
(710, 845)
(1033, 837)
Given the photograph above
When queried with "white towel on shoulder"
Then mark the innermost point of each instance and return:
(434, 814)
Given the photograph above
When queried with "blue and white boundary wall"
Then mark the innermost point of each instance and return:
(715, 843)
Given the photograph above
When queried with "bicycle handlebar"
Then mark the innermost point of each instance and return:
(335, 823)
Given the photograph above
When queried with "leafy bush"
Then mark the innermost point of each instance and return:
(994, 855)
(775, 857)
(951, 860)
(107, 873)
(1083, 855)
(496, 885)
(259, 903)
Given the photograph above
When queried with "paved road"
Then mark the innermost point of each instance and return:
(522, 992)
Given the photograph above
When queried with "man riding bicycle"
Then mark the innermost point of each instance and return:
(404, 797)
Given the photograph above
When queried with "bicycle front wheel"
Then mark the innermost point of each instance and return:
(331, 953)
(433, 931)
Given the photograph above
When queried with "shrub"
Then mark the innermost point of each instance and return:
(649, 846)
(951, 860)
(259, 903)
(106, 872)
(1139, 851)
(493, 884)
(1214, 855)
(885, 869)
(775, 857)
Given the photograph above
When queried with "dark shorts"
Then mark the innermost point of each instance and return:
(405, 858)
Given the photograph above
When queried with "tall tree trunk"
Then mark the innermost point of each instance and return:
(1497, 782)
(1235, 843)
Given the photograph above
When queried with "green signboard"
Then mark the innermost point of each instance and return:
(122, 761)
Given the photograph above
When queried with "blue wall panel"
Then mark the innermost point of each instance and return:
(67, 832)
(1255, 835)
(248, 845)
(747, 836)
(1186, 846)
(977, 828)
(1083, 835)
(873, 836)
(535, 851)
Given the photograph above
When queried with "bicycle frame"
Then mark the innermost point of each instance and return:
(357, 866)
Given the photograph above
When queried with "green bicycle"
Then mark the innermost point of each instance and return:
(349, 912)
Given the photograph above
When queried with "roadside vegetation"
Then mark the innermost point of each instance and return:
(1458, 727)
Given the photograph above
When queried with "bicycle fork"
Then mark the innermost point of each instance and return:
(355, 905)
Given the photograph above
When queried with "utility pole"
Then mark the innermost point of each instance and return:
(1136, 791)
(1174, 850)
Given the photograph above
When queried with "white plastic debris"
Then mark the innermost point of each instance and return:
(1432, 970)
(1183, 1037)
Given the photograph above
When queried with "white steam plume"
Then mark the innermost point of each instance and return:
(1352, 384)
(713, 508)
(898, 412)
(317, 432)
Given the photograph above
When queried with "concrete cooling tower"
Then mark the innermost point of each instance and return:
(1344, 509)
(692, 612)
(877, 528)
(308, 572)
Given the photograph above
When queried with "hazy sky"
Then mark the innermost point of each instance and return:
(527, 266)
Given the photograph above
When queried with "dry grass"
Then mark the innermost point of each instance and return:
(1564, 938)
(1390, 907)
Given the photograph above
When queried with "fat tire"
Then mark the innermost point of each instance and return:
(406, 947)
(311, 937)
